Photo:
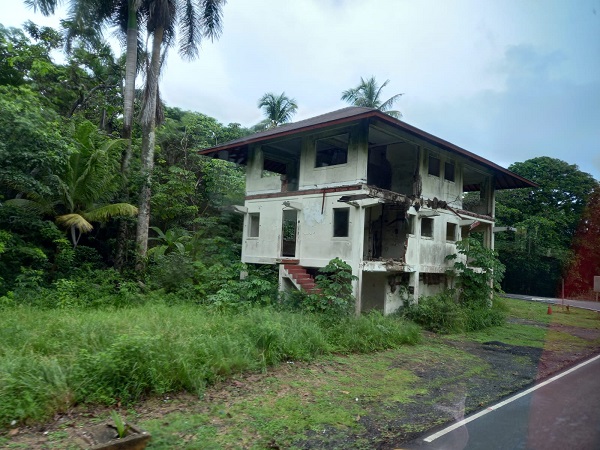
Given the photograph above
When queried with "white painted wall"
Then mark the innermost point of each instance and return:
(316, 245)
(353, 172)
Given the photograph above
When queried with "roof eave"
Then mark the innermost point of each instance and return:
(521, 182)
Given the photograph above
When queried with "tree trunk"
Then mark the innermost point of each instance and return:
(129, 91)
(128, 106)
(148, 121)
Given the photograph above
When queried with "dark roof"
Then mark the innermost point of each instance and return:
(505, 179)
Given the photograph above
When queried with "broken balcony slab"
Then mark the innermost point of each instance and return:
(386, 265)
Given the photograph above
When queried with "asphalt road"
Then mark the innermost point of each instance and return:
(592, 306)
(562, 412)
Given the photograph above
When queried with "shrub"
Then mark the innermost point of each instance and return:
(478, 273)
(439, 313)
(442, 313)
(485, 317)
(371, 332)
(335, 298)
(259, 287)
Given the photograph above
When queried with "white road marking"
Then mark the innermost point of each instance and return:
(489, 409)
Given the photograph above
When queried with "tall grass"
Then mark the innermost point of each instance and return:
(52, 359)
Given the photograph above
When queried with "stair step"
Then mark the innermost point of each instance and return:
(303, 276)
(303, 280)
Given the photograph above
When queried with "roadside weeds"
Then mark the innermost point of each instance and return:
(377, 400)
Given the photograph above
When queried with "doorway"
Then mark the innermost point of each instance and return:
(289, 233)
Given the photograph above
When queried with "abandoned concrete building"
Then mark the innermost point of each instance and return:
(382, 195)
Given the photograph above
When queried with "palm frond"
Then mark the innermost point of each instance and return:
(385, 106)
(393, 113)
(76, 221)
(46, 7)
(378, 89)
(368, 94)
(212, 18)
(350, 95)
(278, 108)
(107, 212)
(190, 30)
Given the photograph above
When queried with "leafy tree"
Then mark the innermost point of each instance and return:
(26, 62)
(368, 94)
(81, 190)
(95, 76)
(585, 264)
(190, 188)
(278, 109)
(32, 145)
(546, 218)
(23, 61)
(89, 83)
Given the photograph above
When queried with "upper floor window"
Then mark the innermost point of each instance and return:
(434, 166)
(341, 222)
(332, 150)
(449, 171)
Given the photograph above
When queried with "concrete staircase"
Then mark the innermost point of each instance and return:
(301, 278)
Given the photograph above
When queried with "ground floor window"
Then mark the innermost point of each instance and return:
(341, 222)
(426, 227)
(451, 231)
(253, 224)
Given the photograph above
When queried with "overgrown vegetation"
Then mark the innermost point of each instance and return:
(472, 303)
(52, 359)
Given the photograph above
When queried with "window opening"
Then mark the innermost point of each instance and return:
(451, 231)
(434, 166)
(254, 225)
(449, 171)
(273, 168)
(332, 151)
(426, 227)
(341, 222)
(410, 224)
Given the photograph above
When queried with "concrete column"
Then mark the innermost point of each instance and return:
(358, 239)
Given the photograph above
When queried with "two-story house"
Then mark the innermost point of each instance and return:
(382, 195)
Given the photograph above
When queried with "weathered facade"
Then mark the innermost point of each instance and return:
(357, 184)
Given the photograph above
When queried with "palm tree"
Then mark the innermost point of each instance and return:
(86, 18)
(367, 94)
(278, 109)
(196, 21)
(82, 191)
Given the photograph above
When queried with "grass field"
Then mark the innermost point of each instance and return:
(53, 359)
(288, 381)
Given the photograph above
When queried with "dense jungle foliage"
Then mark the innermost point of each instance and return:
(68, 213)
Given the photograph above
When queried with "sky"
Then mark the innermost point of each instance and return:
(508, 80)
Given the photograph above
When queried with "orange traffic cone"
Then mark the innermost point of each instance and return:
(549, 309)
